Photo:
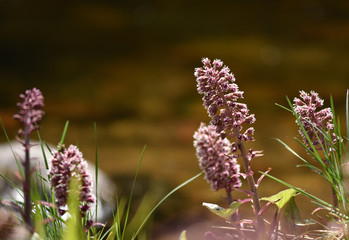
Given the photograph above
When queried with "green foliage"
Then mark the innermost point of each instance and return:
(323, 204)
(291, 216)
(225, 213)
(282, 198)
(286, 206)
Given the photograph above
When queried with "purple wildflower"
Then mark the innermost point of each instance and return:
(214, 154)
(315, 123)
(66, 164)
(30, 113)
(220, 95)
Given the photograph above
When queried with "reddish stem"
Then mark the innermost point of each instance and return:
(26, 182)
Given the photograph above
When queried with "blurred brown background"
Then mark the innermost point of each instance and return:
(128, 66)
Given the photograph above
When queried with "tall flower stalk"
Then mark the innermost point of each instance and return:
(30, 115)
(220, 97)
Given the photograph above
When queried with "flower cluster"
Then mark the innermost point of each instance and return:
(220, 95)
(315, 123)
(30, 113)
(214, 154)
(66, 164)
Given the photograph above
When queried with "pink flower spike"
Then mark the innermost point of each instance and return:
(316, 123)
(221, 170)
(220, 96)
(65, 164)
(30, 113)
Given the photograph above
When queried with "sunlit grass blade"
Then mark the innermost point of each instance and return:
(63, 135)
(163, 199)
(285, 108)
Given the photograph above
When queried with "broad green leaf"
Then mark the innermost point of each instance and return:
(281, 198)
(291, 217)
(225, 213)
(183, 235)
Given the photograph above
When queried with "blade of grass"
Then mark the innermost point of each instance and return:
(121, 205)
(163, 199)
(283, 107)
(63, 135)
(96, 170)
(19, 165)
(43, 151)
(115, 230)
(307, 164)
(131, 194)
(14, 186)
(48, 148)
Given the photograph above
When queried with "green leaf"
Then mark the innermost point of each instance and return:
(183, 235)
(281, 198)
(225, 213)
(291, 217)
